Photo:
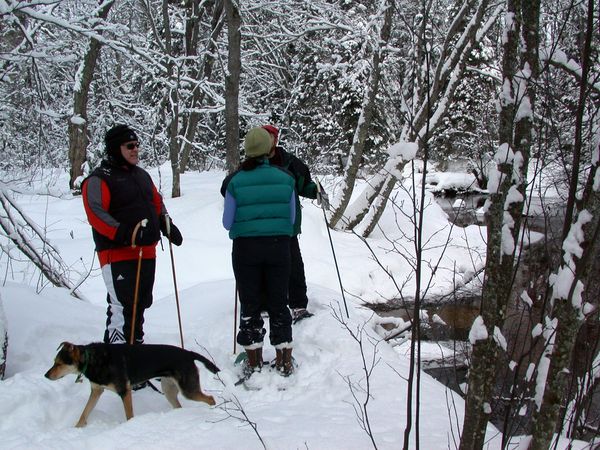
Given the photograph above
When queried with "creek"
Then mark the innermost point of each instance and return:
(446, 323)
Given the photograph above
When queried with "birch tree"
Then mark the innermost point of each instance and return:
(424, 106)
(383, 31)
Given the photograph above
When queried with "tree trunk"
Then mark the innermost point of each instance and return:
(232, 86)
(358, 210)
(77, 127)
(174, 143)
(366, 114)
(378, 206)
(439, 92)
(558, 377)
(500, 255)
(567, 306)
(567, 314)
(172, 105)
(190, 123)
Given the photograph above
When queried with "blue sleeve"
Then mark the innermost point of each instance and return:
(229, 211)
(293, 208)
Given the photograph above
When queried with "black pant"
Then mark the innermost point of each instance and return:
(297, 292)
(262, 264)
(120, 280)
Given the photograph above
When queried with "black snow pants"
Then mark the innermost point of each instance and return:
(262, 264)
(120, 278)
(297, 291)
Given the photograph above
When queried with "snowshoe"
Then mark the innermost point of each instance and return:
(251, 362)
(144, 385)
(299, 314)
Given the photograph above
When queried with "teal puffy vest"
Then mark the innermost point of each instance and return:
(262, 200)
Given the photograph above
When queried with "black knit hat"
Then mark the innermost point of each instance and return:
(117, 135)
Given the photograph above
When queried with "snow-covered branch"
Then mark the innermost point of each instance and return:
(31, 241)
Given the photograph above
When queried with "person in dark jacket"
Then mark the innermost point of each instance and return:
(127, 214)
(259, 213)
(305, 187)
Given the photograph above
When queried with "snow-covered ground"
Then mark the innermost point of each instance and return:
(319, 407)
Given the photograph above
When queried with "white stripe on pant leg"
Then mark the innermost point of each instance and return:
(117, 320)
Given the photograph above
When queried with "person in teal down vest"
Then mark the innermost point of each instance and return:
(260, 211)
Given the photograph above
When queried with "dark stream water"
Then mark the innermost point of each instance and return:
(457, 316)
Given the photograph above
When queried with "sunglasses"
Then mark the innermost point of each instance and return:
(132, 145)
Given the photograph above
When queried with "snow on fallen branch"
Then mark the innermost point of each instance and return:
(24, 233)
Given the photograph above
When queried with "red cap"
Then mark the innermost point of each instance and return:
(272, 130)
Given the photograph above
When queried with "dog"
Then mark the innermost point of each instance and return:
(118, 367)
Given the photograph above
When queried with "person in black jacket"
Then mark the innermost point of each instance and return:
(305, 187)
(259, 213)
(127, 214)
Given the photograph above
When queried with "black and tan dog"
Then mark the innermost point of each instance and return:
(117, 367)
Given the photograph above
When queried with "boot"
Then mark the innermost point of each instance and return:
(283, 361)
(254, 362)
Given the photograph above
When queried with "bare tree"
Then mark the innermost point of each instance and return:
(78, 132)
(361, 390)
(503, 217)
(427, 102)
(580, 249)
(204, 72)
(385, 10)
(232, 85)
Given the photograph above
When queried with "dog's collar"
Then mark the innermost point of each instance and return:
(79, 378)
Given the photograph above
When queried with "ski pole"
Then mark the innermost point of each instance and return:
(142, 224)
(168, 223)
(319, 190)
(235, 309)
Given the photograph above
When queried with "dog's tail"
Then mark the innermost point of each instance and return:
(207, 363)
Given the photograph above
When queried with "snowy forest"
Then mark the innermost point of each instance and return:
(376, 94)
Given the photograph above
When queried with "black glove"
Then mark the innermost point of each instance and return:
(125, 236)
(144, 236)
(322, 198)
(175, 235)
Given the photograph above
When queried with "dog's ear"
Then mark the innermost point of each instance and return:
(68, 353)
(70, 349)
(66, 345)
